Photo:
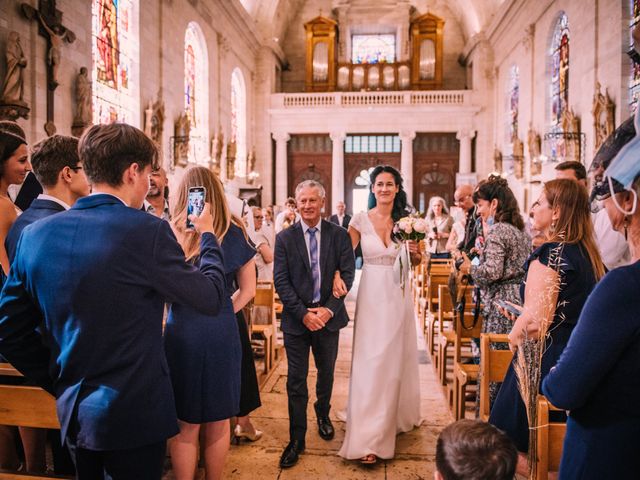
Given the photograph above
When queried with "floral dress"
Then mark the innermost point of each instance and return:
(498, 276)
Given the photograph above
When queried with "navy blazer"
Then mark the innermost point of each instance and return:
(294, 282)
(345, 220)
(38, 210)
(96, 278)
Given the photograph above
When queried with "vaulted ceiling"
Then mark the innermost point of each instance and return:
(272, 17)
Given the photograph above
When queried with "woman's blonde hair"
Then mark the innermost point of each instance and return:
(200, 177)
(574, 224)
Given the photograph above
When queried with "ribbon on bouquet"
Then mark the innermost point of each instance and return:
(401, 266)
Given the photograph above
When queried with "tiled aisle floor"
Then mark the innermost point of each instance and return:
(414, 450)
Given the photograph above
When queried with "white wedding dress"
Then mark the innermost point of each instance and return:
(384, 389)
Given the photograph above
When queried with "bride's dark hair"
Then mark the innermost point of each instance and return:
(400, 206)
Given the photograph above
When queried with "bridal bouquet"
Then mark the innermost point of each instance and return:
(413, 228)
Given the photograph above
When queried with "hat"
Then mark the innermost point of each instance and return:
(10, 128)
(606, 154)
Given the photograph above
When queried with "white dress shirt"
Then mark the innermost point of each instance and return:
(44, 196)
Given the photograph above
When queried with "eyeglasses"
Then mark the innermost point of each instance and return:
(258, 217)
(75, 169)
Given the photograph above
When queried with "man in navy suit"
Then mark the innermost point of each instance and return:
(307, 255)
(340, 217)
(81, 311)
(59, 170)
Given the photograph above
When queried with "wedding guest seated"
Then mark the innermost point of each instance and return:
(288, 216)
(264, 247)
(560, 276)
(474, 450)
(506, 247)
(439, 228)
(597, 378)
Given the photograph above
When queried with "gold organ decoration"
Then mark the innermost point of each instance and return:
(321, 55)
(426, 42)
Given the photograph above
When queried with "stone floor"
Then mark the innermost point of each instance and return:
(414, 450)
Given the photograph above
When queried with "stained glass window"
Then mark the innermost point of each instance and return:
(559, 70)
(115, 52)
(513, 98)
(634, 80)
(239, 121)
(196, 93)
(373, 48)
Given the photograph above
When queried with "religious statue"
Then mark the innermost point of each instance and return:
(534, 144)
(570, 147)
(181, 140)
(57, 35)
(157, 119)
(603, 111)
(497, 160)
(148, 113)
(251, 160)
(219, 145)
(231, 159)
(518, 156)
(83, 102)
(13, 88)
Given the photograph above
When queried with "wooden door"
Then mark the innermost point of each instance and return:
(435, 164)
(309, 158)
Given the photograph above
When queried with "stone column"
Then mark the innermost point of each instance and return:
(465, 137)
(406, 162)
(281, 139)
(337, 169)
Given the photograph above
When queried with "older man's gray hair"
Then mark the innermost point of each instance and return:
(310, 184)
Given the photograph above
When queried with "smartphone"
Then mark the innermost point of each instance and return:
(195, 202)
(509, 308)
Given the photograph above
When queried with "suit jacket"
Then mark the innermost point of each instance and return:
(29, 191)
(345, 220)
(81, 314)
(293, 279)
(38, 210)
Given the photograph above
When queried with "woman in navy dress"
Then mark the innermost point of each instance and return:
(598, 375)
(203, 352)
(570, 256)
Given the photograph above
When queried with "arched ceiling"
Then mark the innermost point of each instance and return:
(272, 17)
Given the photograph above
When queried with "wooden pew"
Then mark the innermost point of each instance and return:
(493, 367)
(22, 406)
(550, 440)
(265, 297)
(463, 373)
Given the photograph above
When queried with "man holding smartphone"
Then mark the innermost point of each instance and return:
(81, 311)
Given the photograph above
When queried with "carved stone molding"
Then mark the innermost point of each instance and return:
(529, 35)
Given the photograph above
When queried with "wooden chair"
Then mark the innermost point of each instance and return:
(493, 367)
(446, 338)
(265, 298)
(550, 440)
(463, 373)
(435, 323)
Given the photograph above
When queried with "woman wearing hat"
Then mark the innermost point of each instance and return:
(597, 378)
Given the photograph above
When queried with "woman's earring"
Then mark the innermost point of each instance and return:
(552, 227)
(625, 224)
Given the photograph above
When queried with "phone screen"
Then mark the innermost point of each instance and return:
(195, 203)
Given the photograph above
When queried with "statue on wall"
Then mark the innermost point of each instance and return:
(497, 159)
(182, 130)
(148, 113)
(217, 144)
(534, 143)
(57, 34)
(518, 157)
(569, 147)
(12, 104)
(157, 119)
(603, 111)
(231, 159)
(84, 111)
(251, 160)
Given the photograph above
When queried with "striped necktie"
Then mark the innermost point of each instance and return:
(315, 266)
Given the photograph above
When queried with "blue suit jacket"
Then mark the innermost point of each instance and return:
(96, 277)
(38, 210)
(294, 282)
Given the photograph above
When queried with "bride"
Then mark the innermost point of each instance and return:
(384, 390)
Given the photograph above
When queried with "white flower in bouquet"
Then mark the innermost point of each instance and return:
(420, 225)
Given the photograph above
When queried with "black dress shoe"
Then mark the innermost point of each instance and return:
(325, 428)
(290, 455)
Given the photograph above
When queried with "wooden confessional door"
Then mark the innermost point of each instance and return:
(356, 163)
(309, 158)
(435, 164)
